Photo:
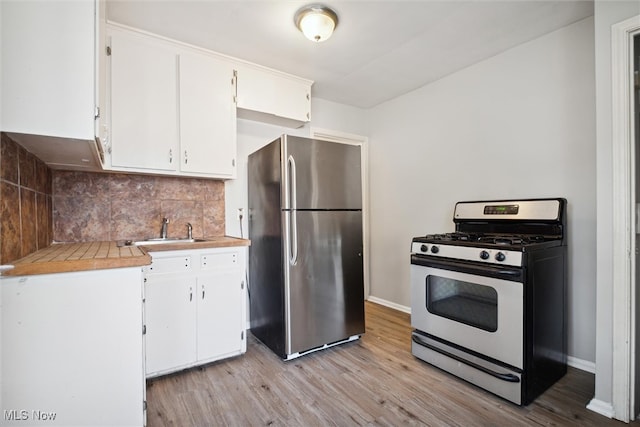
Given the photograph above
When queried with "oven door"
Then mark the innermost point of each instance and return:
(479, 308)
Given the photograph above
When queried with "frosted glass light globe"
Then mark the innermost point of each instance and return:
(316, 22)
(317, 26)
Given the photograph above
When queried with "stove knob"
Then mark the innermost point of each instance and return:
(434, 249)
(500, 256)
(484, 255)
(424, 248)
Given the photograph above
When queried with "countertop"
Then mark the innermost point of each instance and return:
(68, 257)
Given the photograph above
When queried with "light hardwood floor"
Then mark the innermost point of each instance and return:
(372, 381)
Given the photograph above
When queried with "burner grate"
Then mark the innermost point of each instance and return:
(512, 240)
(466, 237)
(500, 239)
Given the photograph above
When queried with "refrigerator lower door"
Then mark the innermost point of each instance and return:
(324, 286)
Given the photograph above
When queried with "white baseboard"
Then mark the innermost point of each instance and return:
(600, 407)
(583, 365)
(389, 304)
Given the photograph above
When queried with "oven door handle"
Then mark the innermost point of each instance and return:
(498, 272)
(510, 272)
(501, 376)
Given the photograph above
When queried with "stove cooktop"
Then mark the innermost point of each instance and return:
(486, 248)
(497, 232)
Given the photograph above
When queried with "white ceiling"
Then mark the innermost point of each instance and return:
(380, 49)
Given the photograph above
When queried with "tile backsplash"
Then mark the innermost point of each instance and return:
(94, 206)
(25, 202)
(39, 206)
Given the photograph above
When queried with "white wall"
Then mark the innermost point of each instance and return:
(605, 14)
(518, 125)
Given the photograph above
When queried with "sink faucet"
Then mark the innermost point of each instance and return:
(163, 229)
(189, 231)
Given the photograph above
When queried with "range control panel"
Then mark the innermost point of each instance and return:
(486, 255)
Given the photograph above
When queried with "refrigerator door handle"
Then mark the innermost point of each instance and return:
(293, 256)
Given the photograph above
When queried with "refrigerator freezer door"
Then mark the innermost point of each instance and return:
(321, 174)
(325, 284)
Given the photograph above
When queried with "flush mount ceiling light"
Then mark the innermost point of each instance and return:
(316, 22)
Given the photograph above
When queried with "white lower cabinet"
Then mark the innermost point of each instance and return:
(72, 349)
(194, 308)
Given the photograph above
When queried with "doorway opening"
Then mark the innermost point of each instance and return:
(625, 257)
(363, 143)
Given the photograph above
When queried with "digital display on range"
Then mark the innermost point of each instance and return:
(501, 210)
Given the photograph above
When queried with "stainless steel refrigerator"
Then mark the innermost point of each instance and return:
(306, 286)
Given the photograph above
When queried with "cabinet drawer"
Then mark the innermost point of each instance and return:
(169, 265)
(217, 260)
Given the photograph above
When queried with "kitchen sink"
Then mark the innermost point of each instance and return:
(157, 241)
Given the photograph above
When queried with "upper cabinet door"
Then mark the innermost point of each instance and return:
(293, 99)
(207, 115)
(144, 109)
(48, 68)
(256, 90)
(273, 97)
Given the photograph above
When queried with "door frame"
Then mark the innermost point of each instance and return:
(624, 215)
(363, 142)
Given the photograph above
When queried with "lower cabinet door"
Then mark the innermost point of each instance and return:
(220, 322)
(170, 315)
(72, 349)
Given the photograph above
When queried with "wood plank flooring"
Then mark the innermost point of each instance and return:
(372, 381)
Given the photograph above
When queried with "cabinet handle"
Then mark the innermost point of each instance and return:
(203, 292)
(185, 157)
(170, 155)
(190, 294)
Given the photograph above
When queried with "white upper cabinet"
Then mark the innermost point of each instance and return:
(48, 72)
(172, 108)
(50, 79)
(144, 107)
(207, 115)
(273, 97)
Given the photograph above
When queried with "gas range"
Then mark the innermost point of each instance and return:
(488, 301)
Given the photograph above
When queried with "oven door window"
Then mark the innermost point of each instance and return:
(469, 303)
